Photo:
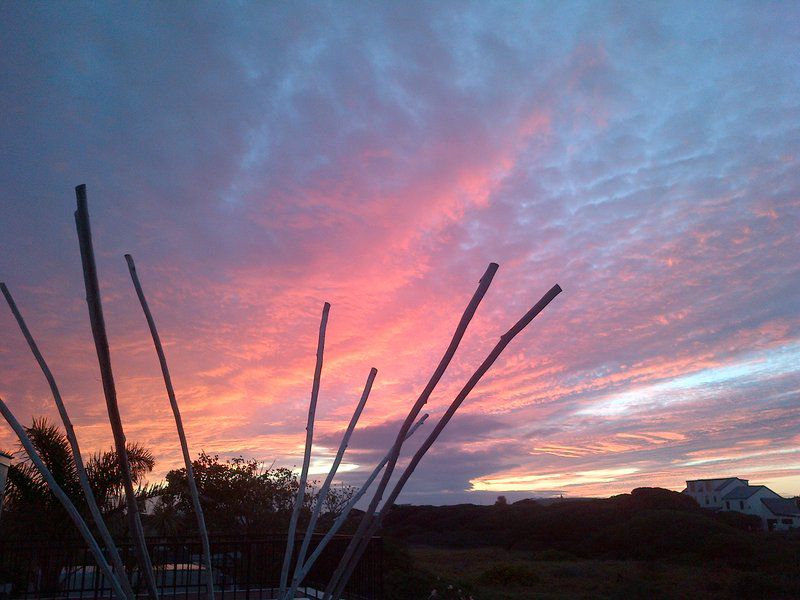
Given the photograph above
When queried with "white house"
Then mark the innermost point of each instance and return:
(736, 494)
(708, 493)
(782, 513)
(5, 463)
(776, 512)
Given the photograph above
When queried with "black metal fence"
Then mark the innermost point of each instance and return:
(244, 568)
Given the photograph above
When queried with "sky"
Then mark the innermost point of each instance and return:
(260, 159)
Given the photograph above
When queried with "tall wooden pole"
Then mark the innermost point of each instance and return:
(301, 490)
(109, 390)
(461, 329)
(505, 339)
(73, 442)
(342, 518)
(323, 492)
(187, 460)
(62, 497)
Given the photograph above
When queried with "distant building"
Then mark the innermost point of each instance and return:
(5, 463)
(736, 494)
(708, 493)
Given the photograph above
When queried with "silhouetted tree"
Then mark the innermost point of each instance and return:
(32, 511)
(240, 496)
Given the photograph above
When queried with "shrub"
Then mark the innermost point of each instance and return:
(754, 585)
(554, 555)
(509, 574)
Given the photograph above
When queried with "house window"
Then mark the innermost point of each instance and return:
(786, 521)
(728, 504)
(741, 504)
(715, 499)
(706, 499)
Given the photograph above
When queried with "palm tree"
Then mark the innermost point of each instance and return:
(32, 511)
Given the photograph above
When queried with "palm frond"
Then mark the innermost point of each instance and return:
(106, 480)
(54, 449)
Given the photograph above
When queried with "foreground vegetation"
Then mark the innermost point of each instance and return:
(240, 496)
(652, 543)
(495, 574)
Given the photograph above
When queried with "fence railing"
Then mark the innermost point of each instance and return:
(244, 568)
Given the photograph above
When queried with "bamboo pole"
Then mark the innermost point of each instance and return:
(162, 359)
(62, 497)
(73, 442)
(109, 390)
(342, 518)
(466, 317)
(323, 492)
(301, 490)
(505, 339)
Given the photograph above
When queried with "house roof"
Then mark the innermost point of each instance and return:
(723, 481)
(743, 491)
(726, 482)
(783, 507)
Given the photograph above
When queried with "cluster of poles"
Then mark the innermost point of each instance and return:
(113, 568)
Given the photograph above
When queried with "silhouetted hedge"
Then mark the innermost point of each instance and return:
(648, 524)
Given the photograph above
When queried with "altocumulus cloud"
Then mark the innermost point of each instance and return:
(259, 160)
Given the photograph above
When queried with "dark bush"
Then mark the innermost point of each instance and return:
(664, 534)
(554, 555)
(738, 520)
(509, 574)
(754, 586)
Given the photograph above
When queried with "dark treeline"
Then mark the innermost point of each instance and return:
(239, 496)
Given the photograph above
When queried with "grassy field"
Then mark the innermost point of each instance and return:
(494, 574)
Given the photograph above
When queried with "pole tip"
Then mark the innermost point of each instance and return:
(80, 195)
(490, 272)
